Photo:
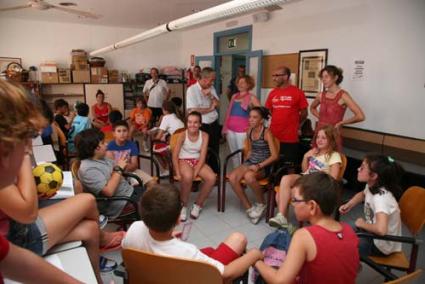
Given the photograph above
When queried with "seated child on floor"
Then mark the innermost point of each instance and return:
(324, 252)
(122, 147)
(382, 214)
(102, 176)
(160, 210)
(323, 157)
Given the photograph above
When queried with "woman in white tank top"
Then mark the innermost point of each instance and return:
(189, 157)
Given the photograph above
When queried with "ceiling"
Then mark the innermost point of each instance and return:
(142, 14)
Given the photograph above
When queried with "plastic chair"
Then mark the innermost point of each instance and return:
(412, 213)
(266, 183)
(124, 219)
(197, 180)
(144, 267)
(408, 278)
(272, 194)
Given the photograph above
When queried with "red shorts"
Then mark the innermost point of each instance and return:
(161, 149)
(223, 253)
(191, 162)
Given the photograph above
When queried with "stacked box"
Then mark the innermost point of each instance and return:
(49, 73)
(64, 75)
(114, 76)
(81, 76)
(79, 60)
(99, 75)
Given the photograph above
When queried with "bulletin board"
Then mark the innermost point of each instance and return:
(271, 62)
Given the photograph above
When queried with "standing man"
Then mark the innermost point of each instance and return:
(288, 107)
(155, 92)
(233, 88)
(203, 98)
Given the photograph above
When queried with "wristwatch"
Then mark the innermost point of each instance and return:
(118, 169)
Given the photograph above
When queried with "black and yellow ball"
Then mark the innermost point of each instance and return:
(48, 179)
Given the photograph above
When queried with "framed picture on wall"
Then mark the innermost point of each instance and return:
(4, 61)
(310, 64)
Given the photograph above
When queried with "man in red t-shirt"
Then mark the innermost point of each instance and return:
(288, 107)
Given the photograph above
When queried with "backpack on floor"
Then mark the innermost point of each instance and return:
(274, 247)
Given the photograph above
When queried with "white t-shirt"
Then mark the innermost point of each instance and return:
(322, 163)
(195, 99)
(157, 94)
(138, 237)
(170, 123)
(383, 202)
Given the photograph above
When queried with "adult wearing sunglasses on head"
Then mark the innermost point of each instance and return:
(288, 107)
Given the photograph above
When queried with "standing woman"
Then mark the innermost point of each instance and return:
(236, 122)
(334, 102)
(100, 110)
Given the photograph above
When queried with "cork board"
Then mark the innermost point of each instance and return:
(271, 62)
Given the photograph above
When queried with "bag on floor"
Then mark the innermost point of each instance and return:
(274, 247)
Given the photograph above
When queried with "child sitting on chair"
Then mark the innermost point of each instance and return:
(326, 251)
(100, 176)
(160, 210)
(80, 123)
(189, 157)
(323, 157)
(121, 147)
(140, 119)
(262, 153)
(382, 176)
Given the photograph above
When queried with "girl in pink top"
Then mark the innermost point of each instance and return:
(334, 102)
(236, 121)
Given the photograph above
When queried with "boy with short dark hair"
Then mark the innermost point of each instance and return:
(121, 147)
(100, 175)
(326, 251)
(160, 210)
(80, 123)
(61, 110)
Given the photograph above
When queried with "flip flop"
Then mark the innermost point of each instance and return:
(114, 243)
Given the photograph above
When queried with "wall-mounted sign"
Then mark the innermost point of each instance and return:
(231, 43)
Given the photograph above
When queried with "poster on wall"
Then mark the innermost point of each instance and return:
(310, 64)
(358, 70)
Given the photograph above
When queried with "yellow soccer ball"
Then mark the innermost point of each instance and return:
(48, 179)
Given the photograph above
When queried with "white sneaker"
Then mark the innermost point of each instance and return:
(164, 173)
(257, 211)
(279, 221)
(183, 214)
(195, 212)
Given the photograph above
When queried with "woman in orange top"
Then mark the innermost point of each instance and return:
(100, 110)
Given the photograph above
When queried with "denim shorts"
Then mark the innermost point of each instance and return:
(30, 236)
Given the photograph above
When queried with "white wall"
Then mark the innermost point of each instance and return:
(387, 34)
(37, 41)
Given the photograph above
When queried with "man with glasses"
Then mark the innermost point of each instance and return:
(288, 107)
(202, 97)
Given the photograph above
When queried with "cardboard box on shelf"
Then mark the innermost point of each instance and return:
(81, 76)
(49, 77)
(64, 75)
(113, 76)
(99, 75)
(80, 66)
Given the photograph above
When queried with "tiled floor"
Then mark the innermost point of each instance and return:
(212, 227)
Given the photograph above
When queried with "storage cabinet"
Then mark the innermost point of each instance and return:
(69, 92)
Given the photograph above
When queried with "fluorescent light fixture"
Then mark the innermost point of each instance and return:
(226, 10)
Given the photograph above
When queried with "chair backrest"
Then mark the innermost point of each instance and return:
(144, 267)
(408, 278)
(78, 186)
(412, 207)
(174, 137)
(343, 166)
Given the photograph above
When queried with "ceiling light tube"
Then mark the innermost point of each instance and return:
(216, 13)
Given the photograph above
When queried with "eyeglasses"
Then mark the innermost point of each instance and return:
(278, 75)
(294, 200)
